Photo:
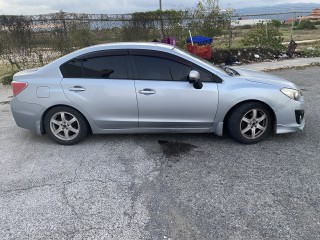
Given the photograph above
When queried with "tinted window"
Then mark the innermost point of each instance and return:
(113, 67)
(72, 69)
(205, 76)
(155, 68)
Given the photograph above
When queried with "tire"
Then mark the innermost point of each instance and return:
(250, 122)
(65, 125)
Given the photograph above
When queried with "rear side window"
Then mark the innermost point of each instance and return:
(104, 67)
(72, 69)
(110, 67)
(156, 68)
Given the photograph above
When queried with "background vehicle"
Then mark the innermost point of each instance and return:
(151, 88)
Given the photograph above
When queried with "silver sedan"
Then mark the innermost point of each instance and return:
(151, 88)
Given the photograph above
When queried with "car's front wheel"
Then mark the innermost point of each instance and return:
(250, 122)
(65, 125)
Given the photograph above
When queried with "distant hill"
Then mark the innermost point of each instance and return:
(301, 9)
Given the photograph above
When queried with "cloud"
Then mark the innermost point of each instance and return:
(31, 7)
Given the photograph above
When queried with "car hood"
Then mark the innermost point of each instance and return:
(261, 77)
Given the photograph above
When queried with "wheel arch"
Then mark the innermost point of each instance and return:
(42, 128)
(225, 120)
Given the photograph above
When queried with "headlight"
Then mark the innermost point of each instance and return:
(292, 93)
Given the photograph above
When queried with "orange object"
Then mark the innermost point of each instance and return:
(203, 51)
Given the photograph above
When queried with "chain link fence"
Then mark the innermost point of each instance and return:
(31, 41)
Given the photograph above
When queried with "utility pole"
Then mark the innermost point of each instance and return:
(292, 25)
(229, 14)
(161, 19)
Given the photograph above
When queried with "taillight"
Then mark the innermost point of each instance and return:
(17, 87)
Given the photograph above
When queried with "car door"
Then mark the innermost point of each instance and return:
(101, 84)
(166, 99)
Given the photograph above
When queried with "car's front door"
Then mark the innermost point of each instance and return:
(166, 99)
(101, 84)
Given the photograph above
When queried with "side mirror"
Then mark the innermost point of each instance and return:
(194, 77)
(197, 84)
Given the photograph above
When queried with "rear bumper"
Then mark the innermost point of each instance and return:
(27, 115)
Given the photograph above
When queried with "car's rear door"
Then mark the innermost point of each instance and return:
(166, 99)
(101, 84)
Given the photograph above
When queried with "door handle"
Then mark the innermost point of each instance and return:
(147, 91)
(77, 89)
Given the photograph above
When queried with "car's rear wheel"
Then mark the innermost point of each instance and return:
(65, 125)
(250, 122)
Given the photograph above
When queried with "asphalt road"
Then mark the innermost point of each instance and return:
(192, 186)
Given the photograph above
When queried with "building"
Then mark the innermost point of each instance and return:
(313, 17)
(288, 21)
(248, 22)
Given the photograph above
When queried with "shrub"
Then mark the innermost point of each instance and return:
(245, 27)
(6, 80)
(264, 36)
(306, 24)
(276, 23)
(311, 51)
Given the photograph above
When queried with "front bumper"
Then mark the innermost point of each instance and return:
(291, 118)
(27, 115)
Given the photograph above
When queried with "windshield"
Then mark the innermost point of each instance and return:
(206, 62)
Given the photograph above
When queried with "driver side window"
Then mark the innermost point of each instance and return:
(205, 76)
(157, 68)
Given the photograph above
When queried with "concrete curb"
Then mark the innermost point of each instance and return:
(283, 64)
(293, 67)
(4, 102)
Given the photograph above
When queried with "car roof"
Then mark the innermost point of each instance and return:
(110, 46)
(126, 45)
(133, 45)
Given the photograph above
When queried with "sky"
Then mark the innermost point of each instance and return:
(33, 7)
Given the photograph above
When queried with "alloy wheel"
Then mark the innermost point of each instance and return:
(253, 124)
(64, 126)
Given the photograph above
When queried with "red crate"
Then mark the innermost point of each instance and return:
(203, 51)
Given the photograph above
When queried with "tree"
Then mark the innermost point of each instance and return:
(209, 20)
(71, 31)
(16, 42)
(147, 25)
(276, 23)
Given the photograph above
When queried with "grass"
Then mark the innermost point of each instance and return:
(310, 50)
(300, 35)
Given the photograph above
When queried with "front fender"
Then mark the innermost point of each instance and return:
(231, 95)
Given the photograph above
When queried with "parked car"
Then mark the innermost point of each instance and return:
(151, 88)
